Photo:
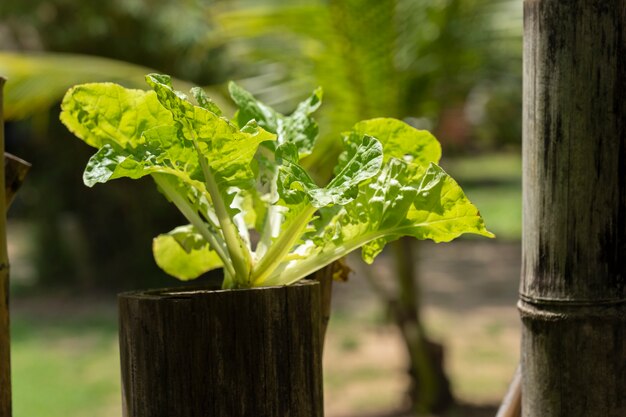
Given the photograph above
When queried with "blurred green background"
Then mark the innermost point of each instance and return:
(449, 66)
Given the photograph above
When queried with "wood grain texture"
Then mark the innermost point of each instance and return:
(5, 339)
(574, 237)
(235, 353)
(325, 278)
(573, 283)
(573, 361)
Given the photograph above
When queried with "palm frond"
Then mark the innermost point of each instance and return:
(345, 46)
(37, 81)
(236, 22)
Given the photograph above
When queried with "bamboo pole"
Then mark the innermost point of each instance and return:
(573, 281)
(512, 404)
(5, 357)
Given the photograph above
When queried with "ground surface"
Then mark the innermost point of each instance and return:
(469, 291)
(65, 353)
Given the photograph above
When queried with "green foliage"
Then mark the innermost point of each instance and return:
(299, 128)
(184, 253)
(401, 58)
(36, 82)
(221, 174)
(47, 47)
(170, 35)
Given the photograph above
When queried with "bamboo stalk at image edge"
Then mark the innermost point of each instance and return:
(12, 173)
(573, 281)
(573, 293)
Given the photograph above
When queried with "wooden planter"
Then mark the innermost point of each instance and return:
(222, 353)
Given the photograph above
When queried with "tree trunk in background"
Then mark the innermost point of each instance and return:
(573, 288)
(5, 357)
(429, 389)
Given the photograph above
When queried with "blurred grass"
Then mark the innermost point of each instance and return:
(493, 182)
(66, 365)
(488, 167)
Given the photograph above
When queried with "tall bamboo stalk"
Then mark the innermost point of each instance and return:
(573, 288)
(5, 358)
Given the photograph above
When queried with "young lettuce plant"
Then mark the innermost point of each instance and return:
(231, 177)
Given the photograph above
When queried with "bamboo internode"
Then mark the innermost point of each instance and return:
(573, 287)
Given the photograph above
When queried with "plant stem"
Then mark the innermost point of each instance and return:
(281, 247)
(273, 215)
(303, 268)
(272, 221)
(239, 253)
(194, 218)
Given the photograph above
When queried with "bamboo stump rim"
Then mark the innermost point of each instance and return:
(204, 351)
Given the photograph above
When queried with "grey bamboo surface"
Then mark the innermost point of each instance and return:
(573, 281)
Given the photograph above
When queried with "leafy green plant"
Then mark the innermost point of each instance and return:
(253, 210)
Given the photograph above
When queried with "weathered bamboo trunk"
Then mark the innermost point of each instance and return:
(5, 357)
(234, 353)
(573, 288)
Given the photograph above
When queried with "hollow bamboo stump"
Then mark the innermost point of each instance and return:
(215, 353)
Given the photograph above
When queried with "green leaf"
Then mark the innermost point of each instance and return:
(159, 151)
(184, 254)
(252, 109)
(400, 140)
(228, 149)
(205, 101)
(294, 183)
(380, 208)
(107, 113)
(225, 155)
(389, 197)
(386, 184)
(403, 200)
(361, 162)
(435, 209)
(441, 211)
(299, 128)
(107, 164)
(302, 197)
